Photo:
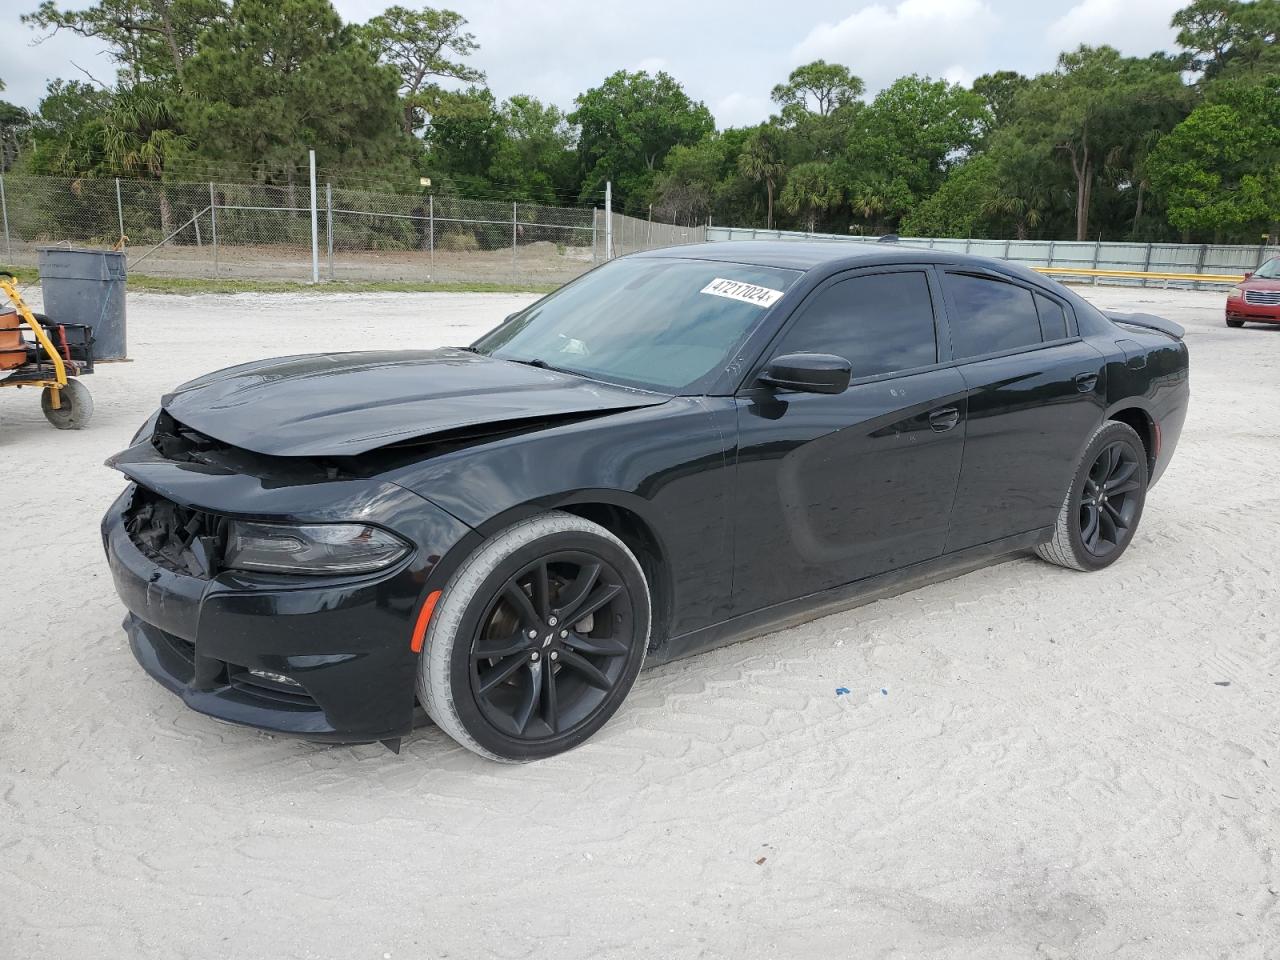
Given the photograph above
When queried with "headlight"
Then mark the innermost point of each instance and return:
(312, 548)
(1235, 293)
(146, 430)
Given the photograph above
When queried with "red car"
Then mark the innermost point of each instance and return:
(1257, 299)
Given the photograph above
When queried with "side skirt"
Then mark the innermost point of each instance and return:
(793, 612)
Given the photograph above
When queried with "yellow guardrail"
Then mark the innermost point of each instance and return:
(1142, 275)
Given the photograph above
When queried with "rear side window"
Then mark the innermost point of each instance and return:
(880, 324)
(990, 316)
(1053, 319)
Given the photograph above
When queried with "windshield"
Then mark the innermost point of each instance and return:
(659, 323)
(1269, 270)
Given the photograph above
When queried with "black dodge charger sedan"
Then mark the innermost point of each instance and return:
(679, 449)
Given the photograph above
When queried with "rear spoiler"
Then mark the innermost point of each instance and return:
(1149, 322)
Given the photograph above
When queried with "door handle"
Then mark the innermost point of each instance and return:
(944, 419)
(1085, 382)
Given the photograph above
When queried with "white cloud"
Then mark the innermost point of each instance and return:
(740, 110)
(959, 74)
(1135, 27)
(881, 42)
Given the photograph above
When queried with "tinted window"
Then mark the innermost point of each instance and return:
(990, 316)
(1053, 319)
(652, 321)
(880, 324)
(1269, 270)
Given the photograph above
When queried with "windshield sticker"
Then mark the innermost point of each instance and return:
(746, 292)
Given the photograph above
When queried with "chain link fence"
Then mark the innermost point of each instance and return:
(1207, 259)
(260, 231)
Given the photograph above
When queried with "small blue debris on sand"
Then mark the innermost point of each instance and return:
(884, 691)
(842, 691)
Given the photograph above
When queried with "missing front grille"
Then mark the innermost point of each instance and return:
(178, 538)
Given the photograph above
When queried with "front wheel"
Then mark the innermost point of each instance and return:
(1235, 323)
(536, 639)
(1104, 504)
(75, 406)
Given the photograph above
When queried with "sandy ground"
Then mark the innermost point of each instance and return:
(1031, 763)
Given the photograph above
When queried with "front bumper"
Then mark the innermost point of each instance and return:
(1239, 309)
(344, 642)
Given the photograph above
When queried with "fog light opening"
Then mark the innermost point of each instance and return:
(274, 677)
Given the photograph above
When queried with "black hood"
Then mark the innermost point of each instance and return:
(349, 403)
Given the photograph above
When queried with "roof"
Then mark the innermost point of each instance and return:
(836, 255)
(804, 254)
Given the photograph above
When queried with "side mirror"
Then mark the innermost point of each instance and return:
(808, 373)
(1248, 274)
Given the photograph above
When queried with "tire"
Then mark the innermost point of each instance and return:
(553, 680)
(1091, 532)
(75, 410)
(1235, 323)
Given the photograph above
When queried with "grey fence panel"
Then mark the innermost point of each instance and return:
(1201, 259)
(263, 231)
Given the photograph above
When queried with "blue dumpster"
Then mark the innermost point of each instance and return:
(87, 286)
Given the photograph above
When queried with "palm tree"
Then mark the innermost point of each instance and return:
(812, 189)
(759, 162)
(140, 135)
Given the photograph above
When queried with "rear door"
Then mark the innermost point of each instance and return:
(832, 489)
(1036, 393)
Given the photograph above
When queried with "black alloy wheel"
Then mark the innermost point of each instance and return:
(537, 638)
(552, 645)
(1111, 499)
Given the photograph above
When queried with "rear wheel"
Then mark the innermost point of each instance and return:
(1234, 323)
(1101, 511)
(75, 407)
(536, 640)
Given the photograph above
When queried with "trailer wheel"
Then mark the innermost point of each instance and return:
(76, 409)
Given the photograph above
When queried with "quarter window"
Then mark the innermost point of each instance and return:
(1053, 319)
(990, 316)
(881, 323)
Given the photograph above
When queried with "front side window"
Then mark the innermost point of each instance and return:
(1269, 270)
(655, 322)
(990, 316)
(881, 323)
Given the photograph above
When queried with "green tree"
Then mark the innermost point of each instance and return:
(1223, 36)
(761, 162)
(67, 131)
(812, 189)
(959, 208)
(533, 158)
(628, 126)
(1219, 169)
(15, 125)
(279, 76)
(820, 88)
(902, 145)
(1088, 107)
(149, 39)
(998, 91)
(422, 45)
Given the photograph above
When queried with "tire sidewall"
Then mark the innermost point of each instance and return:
(1112, 432)
(449, 649)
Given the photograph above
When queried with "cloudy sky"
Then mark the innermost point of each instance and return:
(727, 54)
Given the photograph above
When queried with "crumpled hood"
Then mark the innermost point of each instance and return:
(348, 403)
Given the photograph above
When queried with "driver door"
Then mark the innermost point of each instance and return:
(834, 488)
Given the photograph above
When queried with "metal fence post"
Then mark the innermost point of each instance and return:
(608, 219)
(4, 209)
(1204, 249)
(119, 208)
(431, 233)
(328, 223)
(213, 226)
(1146, 266)
(513, 241)
(1097, 249)
(315, 222)
(595, 214)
